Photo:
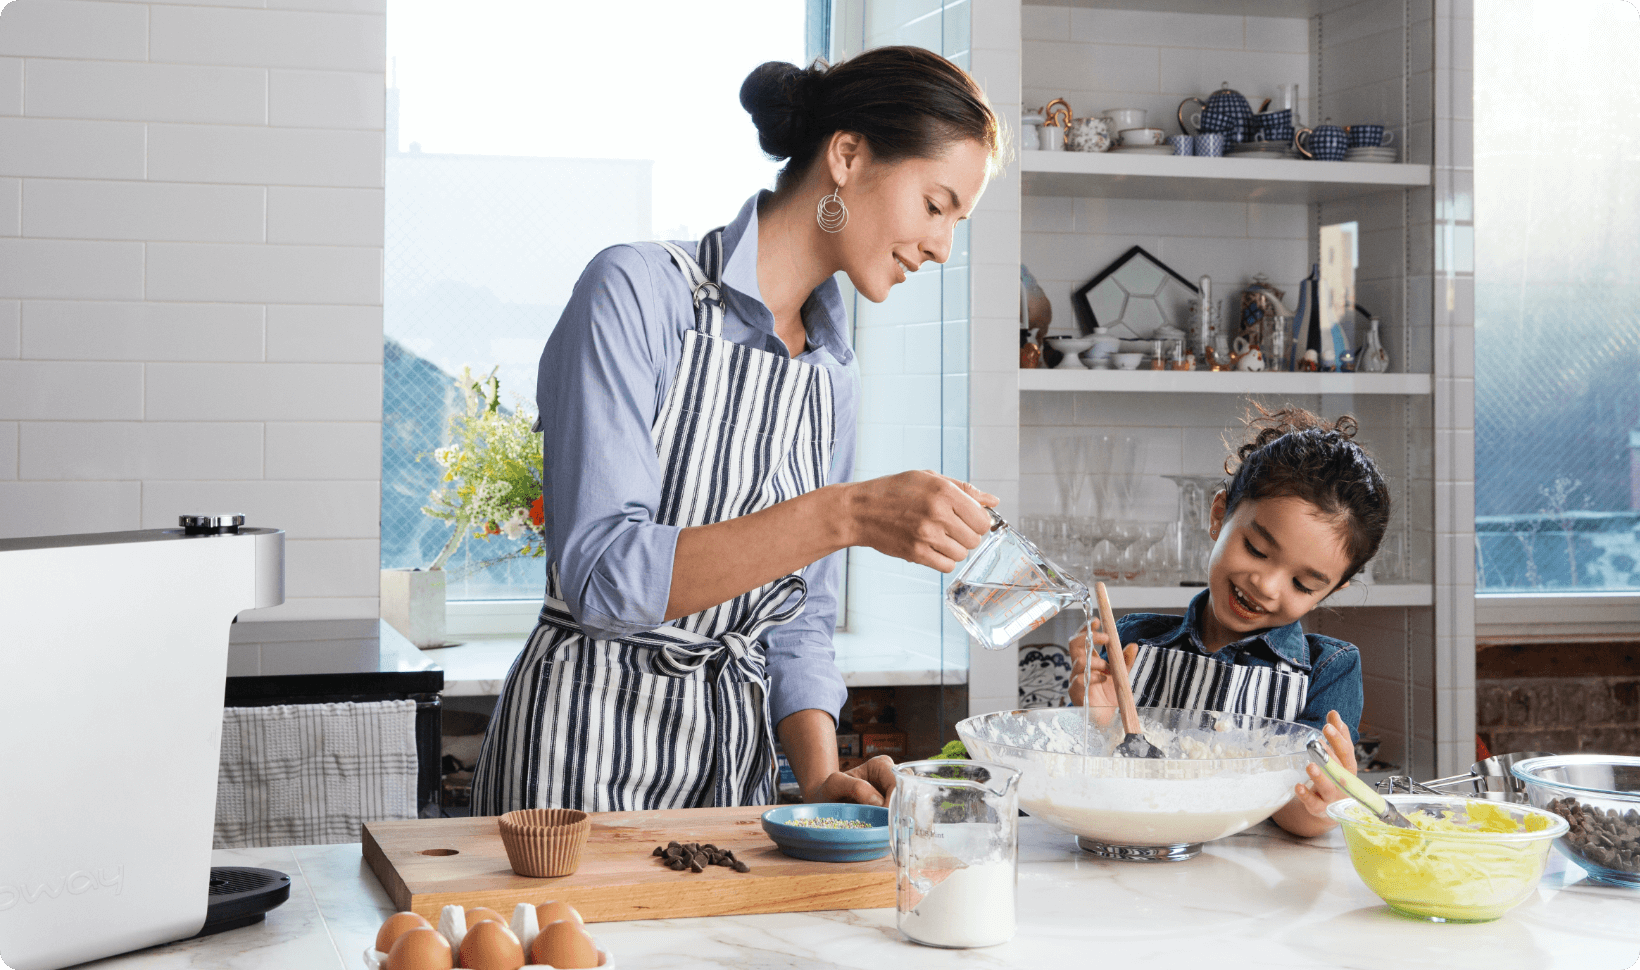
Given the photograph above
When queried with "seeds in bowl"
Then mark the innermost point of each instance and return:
(829, 823)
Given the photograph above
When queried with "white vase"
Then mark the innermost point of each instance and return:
(413, 604)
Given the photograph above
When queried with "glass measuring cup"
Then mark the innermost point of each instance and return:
(954, 831)
(1006, 588)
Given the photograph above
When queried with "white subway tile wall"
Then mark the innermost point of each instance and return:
(190, 275)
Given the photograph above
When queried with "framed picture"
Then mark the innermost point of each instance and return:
(1133, 296)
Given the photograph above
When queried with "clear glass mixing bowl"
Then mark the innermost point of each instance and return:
(1224, 773)
(1599, 795)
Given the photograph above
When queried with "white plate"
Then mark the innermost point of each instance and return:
(1144, 150)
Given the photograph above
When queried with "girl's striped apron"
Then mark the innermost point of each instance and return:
(1164, 677)
(677, 717)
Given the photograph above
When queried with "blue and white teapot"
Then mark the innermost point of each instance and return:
(1224, 111)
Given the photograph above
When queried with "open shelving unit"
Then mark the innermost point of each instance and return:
(1230, 218)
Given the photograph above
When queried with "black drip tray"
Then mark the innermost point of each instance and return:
(241, 896)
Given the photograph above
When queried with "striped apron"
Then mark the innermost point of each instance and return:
(1164, 677)
(678, 716)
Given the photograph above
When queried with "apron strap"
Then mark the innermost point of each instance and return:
(704, 277)
(680, 652)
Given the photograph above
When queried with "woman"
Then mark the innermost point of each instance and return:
(698, 409)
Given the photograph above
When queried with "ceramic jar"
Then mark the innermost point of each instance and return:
(1089, 135)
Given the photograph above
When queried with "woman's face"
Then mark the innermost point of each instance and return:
(901, 214)
(1273, 561)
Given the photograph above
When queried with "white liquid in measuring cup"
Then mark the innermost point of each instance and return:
(973, 906)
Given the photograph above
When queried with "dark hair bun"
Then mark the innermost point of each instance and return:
(779, 97)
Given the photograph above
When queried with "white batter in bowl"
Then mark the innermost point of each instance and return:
(1223, 773)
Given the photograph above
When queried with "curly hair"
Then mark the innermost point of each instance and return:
(1291, 452)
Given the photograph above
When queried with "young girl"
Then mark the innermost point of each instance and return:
(1304, 511)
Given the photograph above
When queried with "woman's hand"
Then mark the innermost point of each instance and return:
(1307, 814)
(920, 516)
(867, 784)
(1090, 675)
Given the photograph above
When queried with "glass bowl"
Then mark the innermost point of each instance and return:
(1224, 773)
(1600, 796)
(1455, 875)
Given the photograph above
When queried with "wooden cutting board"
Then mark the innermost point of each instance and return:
(427, 864)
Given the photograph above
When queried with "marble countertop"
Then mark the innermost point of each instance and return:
(478, 665)
(1261, 899)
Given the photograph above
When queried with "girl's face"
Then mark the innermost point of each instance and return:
(1273, 561)
(901, 214)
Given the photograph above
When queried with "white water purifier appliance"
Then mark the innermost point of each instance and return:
(113, 657)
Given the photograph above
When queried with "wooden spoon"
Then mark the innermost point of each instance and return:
(1135, 745)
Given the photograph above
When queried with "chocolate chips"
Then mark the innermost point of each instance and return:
(695, 857)
(1606, 838)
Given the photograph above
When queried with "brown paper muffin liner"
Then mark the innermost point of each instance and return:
(544, 842)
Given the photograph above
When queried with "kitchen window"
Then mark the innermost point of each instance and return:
(518, 146)
(1557, 330)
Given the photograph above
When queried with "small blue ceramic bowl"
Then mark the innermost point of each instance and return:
(829, 845)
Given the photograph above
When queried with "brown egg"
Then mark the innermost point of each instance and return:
(483, 912)
(553, 911)
(564, 946)
(422, 948)
(490, 946)
(396, 926)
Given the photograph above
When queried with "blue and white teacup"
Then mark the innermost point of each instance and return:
(1275, 125)
(1183, 144)
(1210, 144)
(1369, 136)
(1324, 143)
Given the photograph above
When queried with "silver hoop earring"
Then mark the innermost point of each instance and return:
(831, 213)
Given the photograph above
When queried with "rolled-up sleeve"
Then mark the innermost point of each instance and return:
(598, 392)
(803, 670)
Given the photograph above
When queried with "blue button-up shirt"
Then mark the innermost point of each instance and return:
(1334, 667)
(604, 375)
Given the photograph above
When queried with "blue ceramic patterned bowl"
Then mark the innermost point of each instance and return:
(829, 845)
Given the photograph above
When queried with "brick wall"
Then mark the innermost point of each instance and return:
(1559, 697)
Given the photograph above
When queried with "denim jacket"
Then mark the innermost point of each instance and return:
(1333, 666)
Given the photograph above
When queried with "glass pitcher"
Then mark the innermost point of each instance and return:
(1006, 588)
(954, 830)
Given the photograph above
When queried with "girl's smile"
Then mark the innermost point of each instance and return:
(1273, 561)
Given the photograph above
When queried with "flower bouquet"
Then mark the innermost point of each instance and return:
(492, 476)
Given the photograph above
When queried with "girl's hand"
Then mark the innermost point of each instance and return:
(1320, 792)
(1090, 675)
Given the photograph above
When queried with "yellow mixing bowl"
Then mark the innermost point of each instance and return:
(1468, 861)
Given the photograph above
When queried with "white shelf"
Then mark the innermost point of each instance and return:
(1178, 597)
(1238, 8)
(1222, 382)
(1114, 175)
